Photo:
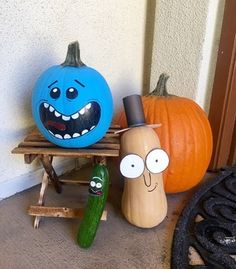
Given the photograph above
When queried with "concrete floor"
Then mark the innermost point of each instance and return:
(118, 244)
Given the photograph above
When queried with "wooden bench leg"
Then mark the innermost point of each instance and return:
(44, 186)
(47, 164)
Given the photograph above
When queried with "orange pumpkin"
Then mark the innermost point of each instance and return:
(185, 134)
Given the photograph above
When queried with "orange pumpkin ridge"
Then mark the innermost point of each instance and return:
(185, 134)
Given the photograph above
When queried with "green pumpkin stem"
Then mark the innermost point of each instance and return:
(160, 89)
(73, 56)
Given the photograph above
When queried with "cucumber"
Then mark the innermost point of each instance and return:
(98, 191)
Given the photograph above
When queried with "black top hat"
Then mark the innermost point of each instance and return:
(134, 112)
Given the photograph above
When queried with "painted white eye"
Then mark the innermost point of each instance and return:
(132, 166)
(157, 161)
(92, 184)
(98, 185)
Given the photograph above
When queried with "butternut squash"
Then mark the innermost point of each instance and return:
(144, 201)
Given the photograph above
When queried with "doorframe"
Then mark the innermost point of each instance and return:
(223, 101)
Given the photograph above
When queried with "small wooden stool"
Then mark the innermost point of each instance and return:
(36, 146)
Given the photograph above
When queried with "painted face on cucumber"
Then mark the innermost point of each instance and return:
(95, 186)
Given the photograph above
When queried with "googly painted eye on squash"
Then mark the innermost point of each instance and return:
(157, 161)
(55, 93)
(71, 93)
(132, 166)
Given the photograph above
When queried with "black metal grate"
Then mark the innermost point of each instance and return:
(208, 225)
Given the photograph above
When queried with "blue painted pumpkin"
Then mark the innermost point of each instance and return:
(72, 103)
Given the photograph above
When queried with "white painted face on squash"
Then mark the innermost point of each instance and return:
(133, 166)
(143, 201)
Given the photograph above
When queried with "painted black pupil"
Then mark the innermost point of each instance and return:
(55, 93)
(132, 165)
(71, 93)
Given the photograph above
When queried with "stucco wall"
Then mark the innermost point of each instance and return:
(35, 35)
(186, 39)
(114, 38)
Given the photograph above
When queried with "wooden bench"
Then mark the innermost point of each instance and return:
(36, 146)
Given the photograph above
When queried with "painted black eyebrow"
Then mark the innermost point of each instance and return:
(52, 84)
(81, 84)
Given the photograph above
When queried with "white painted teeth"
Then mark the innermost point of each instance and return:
(75, 116)
(65, 118)
(51, 109)
(57, 114)
(76, 135)
(81, 112)
(67, 136)
(88, 106)
(46, 105)
(84, 131)
(58, 136)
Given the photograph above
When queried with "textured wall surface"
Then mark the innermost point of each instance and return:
(35, 35)
(113, 37)
(186, 35)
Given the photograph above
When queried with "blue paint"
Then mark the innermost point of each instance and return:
(60, 93)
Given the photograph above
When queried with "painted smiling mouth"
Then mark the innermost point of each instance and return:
(70, 126)
(153, 188)
(96, 193)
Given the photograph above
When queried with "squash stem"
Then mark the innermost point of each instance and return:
(73, 56)
(160, 89)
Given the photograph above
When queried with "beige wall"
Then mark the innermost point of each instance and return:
(186, 39)
(35, 35)
(116, 38)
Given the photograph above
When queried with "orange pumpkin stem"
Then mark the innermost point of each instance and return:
(160, 89)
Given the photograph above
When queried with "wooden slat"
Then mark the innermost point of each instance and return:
(111, 135)
(60, 212)
(113, 130)
(36, 144)
(105, 146)
(114, 140)
(43, 144)
(75, 182)
(63, 152)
